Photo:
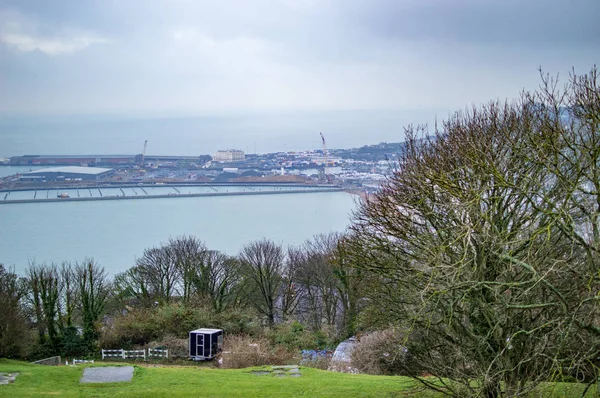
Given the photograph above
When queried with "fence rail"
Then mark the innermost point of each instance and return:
(76, 361)
(157, 353)
(124, 354)
(113, 353)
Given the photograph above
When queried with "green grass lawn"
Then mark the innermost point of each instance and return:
(38, 380)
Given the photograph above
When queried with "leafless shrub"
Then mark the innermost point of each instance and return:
(245, 351)
(178, 348)
(380, 353)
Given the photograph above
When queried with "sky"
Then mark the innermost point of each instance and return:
(235, 56)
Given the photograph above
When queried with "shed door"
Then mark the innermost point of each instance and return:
(200, 344)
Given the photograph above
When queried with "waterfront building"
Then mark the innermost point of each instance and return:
(72, 160)
(230, 156)
(67, 173)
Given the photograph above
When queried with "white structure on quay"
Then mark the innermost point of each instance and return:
(230, 155)
(67, 173)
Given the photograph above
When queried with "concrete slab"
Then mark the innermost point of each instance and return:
(6, 378)
(107, 374)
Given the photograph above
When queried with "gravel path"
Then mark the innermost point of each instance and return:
(108, 374)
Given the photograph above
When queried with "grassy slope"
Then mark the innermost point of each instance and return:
(38, 380)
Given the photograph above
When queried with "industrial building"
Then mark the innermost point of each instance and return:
(74, 160)
(67, 173)
(230, 156)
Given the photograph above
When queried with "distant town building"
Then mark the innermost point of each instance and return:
(320, 160)
(230, 155)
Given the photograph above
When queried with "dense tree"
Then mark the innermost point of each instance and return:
(69, 295)
(483, 243)
(44, 287)
(13, 323)
(93, 289)
(350, 282)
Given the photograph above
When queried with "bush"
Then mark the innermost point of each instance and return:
(245, 351)
(72, 344)
(178, 348)
(294, 336)
(319, 359)
(137, 327)
(143, 325)
(380, 353)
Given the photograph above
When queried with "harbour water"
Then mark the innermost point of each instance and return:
(114, 233)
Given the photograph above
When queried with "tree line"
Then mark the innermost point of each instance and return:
(67, 304)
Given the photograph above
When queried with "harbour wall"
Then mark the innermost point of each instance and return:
(96, 185)
(165, 196)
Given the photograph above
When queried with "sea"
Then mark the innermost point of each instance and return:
(115, 233)
(198, 135)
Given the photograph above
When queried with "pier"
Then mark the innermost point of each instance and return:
(95, 193)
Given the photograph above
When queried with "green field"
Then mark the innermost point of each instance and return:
(38, 380)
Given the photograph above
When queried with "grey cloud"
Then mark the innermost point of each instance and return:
(272, 54)
(495, 23)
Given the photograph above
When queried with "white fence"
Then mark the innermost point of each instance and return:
(113, 354)
(76, 361)
(124, 354)
(156, 353)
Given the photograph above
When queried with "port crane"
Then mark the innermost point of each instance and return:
(324, 153)
(326, 175)
(144, 151)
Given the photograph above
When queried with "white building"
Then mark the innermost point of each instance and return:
(320, 160)
(230, 155)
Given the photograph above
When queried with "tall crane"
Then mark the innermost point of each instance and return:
(324, 154)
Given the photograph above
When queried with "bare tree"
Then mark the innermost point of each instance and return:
(482, 244)
(315, 276)
(158, 269)
(329, 283)
(187, 253)
(131, 288)
(262, 266)
(219, 279)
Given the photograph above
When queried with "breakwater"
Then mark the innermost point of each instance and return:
(212, 192)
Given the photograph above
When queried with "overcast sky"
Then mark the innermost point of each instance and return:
(194, 56)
